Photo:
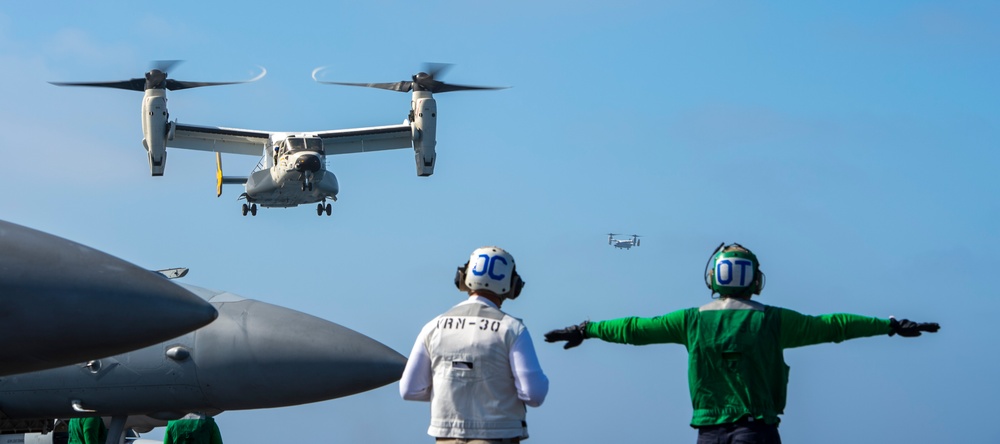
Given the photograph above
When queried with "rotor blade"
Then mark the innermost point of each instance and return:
(404, 86)
(423, 81)
(441, 87)
(164, 65)
(175, 85)
(436, 70)
(430, 80)
(132, 85)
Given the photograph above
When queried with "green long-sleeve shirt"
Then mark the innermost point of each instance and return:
(193, 431)
(89, 430)
(736, 366)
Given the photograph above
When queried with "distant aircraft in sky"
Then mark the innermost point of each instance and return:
(623, 243)
(293, 169)
(63, 302)
(255, 355)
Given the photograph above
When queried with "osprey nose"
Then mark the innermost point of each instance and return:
(307, 162)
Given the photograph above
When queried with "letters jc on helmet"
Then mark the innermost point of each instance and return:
(491, 269)
(733, 270)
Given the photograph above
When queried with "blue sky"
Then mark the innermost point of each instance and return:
(852, 145)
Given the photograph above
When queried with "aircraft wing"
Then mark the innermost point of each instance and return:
(214, 138)
(360, 140)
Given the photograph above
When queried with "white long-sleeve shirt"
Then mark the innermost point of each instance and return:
(531, 383)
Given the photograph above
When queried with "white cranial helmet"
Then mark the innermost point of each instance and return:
(491, 269)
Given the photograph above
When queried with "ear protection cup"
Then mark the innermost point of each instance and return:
(460, 277)
(758, 281)
(516, 285)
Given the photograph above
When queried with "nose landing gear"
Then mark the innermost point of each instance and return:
(307, 183)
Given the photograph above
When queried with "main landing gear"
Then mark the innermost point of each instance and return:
(320, 209)
(252, 209)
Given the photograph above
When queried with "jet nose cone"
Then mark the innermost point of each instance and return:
(307, 162)
(65, 303)
(258, 355)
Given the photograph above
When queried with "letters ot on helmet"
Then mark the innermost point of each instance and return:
(733, 272)
(486, 265)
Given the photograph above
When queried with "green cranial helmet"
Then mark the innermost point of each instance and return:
(733, 270)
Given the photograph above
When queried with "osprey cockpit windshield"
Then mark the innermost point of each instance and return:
(298, 144)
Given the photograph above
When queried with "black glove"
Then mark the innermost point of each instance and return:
(573, 335)
(909, 329)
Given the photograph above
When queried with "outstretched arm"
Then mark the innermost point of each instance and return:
(669, 328)
(799, 330)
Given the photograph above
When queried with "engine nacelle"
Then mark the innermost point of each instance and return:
(154, 129)
(424, 127)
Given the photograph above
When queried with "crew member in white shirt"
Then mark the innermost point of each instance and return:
(476, 364)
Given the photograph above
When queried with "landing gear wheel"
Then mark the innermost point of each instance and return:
(245, 209)
(319, 209)
(303, 187)
(329, 209)
(310, 186)
(253, 209)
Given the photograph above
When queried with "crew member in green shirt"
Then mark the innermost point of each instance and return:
(193, 428)
(90, 430)
(737, 374)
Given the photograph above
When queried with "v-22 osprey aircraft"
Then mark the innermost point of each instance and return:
(626, 244)
(293, 169)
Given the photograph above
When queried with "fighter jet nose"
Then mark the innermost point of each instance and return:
(307, 162)
(66, 303)
(285, 357)
(177, 307)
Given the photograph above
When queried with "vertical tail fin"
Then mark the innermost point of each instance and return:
(218, 174)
